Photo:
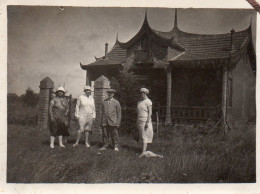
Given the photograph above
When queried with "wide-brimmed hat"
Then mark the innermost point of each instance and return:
(61, 89)
(144, 90)
(87, 88)
(111, 90)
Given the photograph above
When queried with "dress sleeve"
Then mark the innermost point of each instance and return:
(77, 108)
(148, 102)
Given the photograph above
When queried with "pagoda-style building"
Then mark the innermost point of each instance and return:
(193, 77)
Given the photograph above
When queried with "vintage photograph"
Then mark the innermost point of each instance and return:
(131, 95)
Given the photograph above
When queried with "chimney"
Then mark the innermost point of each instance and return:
(232, 48)
(106, 47)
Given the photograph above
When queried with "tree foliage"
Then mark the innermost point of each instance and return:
(30, 98)
(127, 84)
(12, 98)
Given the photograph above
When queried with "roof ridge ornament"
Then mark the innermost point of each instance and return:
(145, 23)
(175, 19)
(116, 37)
(145, 14)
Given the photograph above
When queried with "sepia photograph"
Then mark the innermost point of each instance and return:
(131, 95)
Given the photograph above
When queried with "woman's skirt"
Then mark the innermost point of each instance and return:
(59, 126)
(85, 123)
(145, 134)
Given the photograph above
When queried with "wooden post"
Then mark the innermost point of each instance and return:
(87, 79)
(224, 98)
(69, 116)
(92, 85)
(157, 123)
(169, 95)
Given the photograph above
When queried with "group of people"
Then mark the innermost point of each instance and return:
(85, 114)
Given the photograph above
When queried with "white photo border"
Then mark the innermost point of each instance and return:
(114, 188)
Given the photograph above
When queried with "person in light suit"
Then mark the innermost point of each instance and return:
(110, 120)
(85, 112)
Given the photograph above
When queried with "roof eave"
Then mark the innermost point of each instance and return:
(85, 67)
(199, 59)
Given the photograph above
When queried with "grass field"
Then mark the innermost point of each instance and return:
(190, 156)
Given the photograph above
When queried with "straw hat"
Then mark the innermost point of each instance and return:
(87, 88)
(61, 89)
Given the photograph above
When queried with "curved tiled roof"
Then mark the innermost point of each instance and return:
(146, 29)
(116, 56)
(192, 46)
(204, 46)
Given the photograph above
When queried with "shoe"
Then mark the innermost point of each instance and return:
(76, 144)
(62, 146)
(103, 148)
(87, 145)
(116, 149)
(51, 146)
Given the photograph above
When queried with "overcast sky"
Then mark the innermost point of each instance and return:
(49, 41)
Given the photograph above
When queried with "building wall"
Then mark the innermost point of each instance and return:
(243, 107)
(180, 87)
(131, 50)
(161, 52)
(109, 72)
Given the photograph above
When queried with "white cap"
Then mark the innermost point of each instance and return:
(144, 90)
(61, 89)
(87, 88)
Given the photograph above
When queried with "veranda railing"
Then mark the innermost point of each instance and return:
(181, 114)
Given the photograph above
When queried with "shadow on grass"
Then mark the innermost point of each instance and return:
(96, 143)
(131, 148)
(71, 141)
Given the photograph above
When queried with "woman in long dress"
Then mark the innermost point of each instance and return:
(144, 119)
(85, 112)
(59, 120)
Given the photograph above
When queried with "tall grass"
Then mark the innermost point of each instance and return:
(191, 155)
(19, 113)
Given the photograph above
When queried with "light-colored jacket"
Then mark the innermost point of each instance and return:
(111, 113)
(85, 106)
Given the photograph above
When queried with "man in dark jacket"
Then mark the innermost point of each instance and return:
(110, 120)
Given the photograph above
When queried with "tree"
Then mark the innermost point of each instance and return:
(30, 98)
(127, 84)
(12, 98)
